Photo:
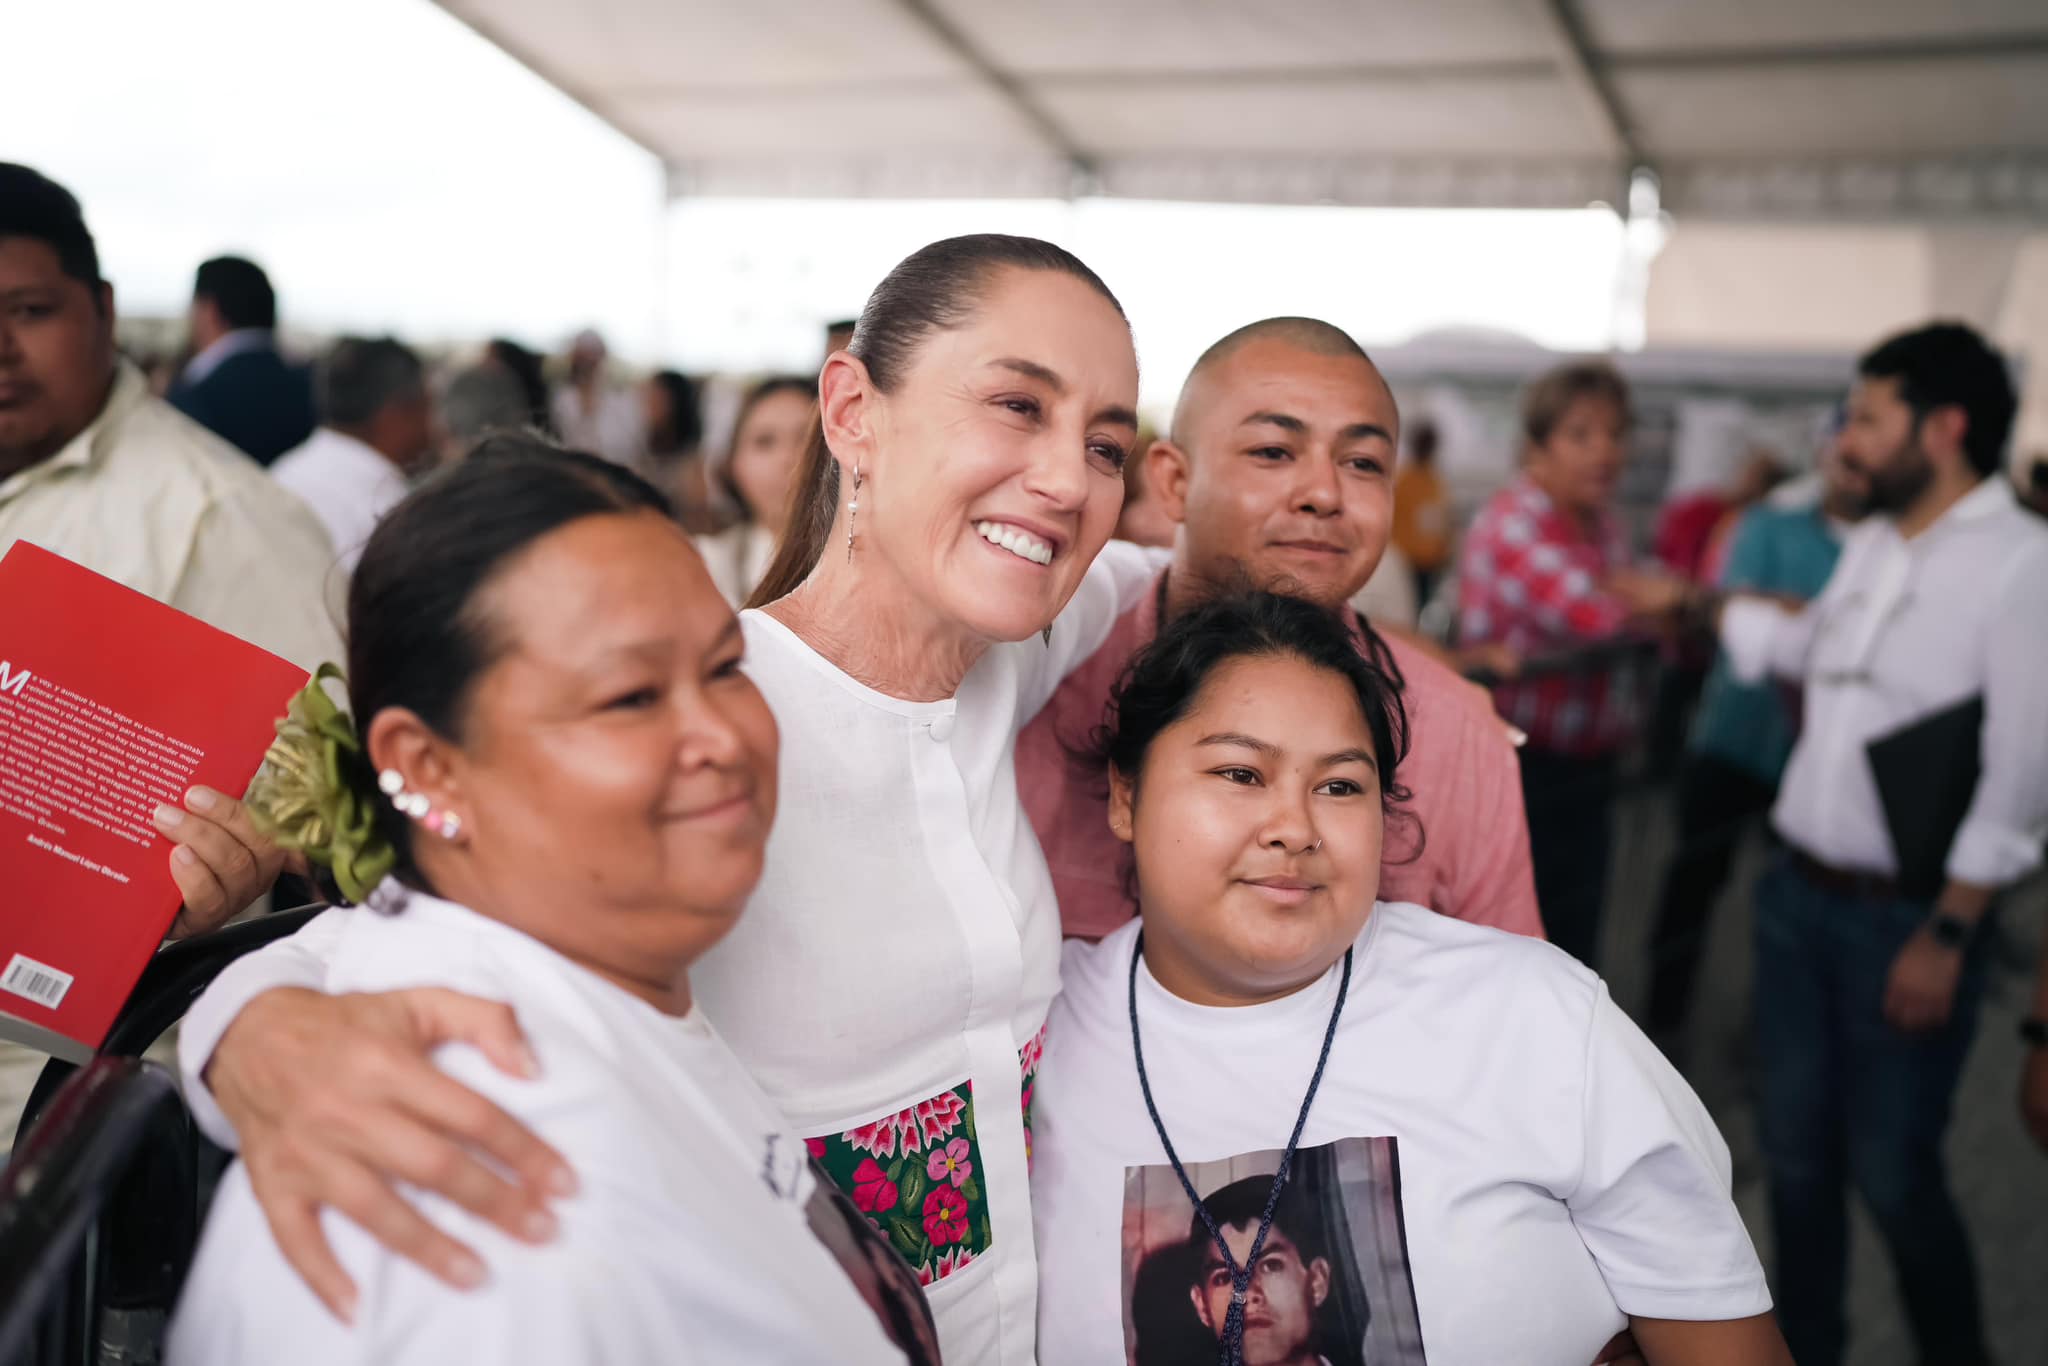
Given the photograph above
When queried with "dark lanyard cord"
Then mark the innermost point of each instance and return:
(1240, 1276)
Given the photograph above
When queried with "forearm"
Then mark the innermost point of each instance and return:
(1761, 637)
(1753, 1341)
(299, 961)
(1965, 901)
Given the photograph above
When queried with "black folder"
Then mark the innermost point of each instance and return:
(1926, 775)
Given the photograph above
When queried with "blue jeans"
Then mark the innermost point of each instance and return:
(1844, 1099)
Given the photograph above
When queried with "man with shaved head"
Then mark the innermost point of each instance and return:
(1278, 473)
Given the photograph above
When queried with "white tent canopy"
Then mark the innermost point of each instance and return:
(1828, 110)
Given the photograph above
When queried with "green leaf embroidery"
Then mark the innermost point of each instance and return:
(913, 1186)
(909, 1240)
(970, 1189)
(988, 1236)
(896, 1170)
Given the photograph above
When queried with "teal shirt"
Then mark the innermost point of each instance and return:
(1775, 550)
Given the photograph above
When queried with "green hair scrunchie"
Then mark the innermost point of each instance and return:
(307, 795)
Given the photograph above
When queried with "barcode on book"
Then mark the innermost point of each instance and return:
(39, 982)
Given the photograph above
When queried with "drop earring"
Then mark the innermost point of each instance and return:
(852, 511)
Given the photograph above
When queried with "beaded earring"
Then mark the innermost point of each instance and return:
(852, 511)
(446, 824)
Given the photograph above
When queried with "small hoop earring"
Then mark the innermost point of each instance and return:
(852, 511)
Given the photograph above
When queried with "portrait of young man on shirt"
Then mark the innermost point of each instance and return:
(1290, 1282)
(1331, 1284)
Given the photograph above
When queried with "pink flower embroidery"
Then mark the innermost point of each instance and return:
(950, 1261)
(916, 1128)
(873, 1191)
(815, 1147)
(878, 1138)
(936, 1118)
(1030, 1054)
(945, 1216)
(950, 1162)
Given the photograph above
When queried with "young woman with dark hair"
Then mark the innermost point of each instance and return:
(1480, 1195)
(757, 478)
(671, 407)
(555, 793)
(890, 982)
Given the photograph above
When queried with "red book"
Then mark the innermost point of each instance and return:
(110, 703)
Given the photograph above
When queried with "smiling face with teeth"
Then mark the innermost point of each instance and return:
(992, 472)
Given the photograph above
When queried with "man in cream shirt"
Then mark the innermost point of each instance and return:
(95, 469)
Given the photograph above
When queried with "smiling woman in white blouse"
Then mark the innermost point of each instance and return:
(889, 984)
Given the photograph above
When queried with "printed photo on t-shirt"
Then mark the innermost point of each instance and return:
(1332, 1285)
(876, 1269)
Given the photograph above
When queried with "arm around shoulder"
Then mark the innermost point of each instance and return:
(298, 961)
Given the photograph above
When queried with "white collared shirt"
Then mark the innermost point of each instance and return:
(1903, 630)
(148, 497)
(220, 348)
(348, 484)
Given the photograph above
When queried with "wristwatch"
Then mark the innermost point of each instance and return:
(1949, 931)
(2034, 1030)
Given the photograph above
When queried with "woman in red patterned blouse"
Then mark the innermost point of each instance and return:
(1546, 571)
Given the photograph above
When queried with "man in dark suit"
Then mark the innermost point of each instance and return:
(237, 384)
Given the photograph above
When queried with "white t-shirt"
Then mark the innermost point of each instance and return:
(1498, 1166)
(688, 1241)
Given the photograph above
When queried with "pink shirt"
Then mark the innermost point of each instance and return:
(1461, 769)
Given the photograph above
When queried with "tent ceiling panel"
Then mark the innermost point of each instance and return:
(1634, 28)
(935, 119)
(1750, 108)
(1196, 37)
(606, 49)
(1905, 109)
(1504, 117)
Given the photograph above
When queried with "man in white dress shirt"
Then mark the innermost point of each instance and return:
(1867, 986)
(376, 430)
(95, 469)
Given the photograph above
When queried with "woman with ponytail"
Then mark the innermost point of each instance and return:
(891, 979)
